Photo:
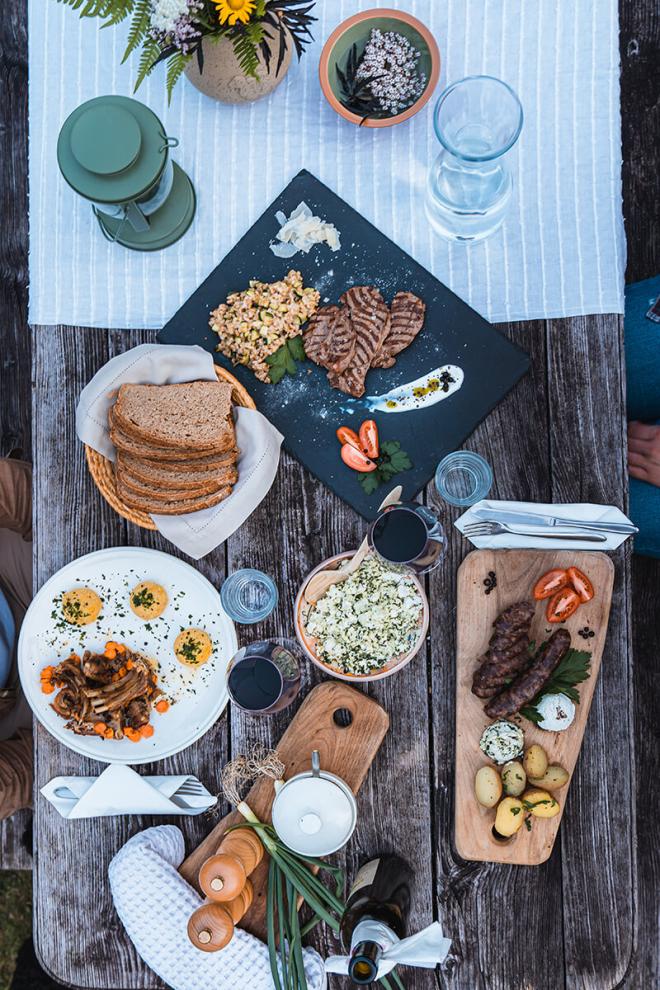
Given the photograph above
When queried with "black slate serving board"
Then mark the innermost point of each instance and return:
(304, 407)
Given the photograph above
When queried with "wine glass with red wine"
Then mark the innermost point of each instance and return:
(264, 678)
(408, 535)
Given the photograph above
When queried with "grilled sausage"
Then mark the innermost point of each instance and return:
(496, 671)
(529, 683)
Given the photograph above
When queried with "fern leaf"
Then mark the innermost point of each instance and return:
(175, 67)
(148, 58)
(247, 55)
(140, 24)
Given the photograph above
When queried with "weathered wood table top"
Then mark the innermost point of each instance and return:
(559, 436)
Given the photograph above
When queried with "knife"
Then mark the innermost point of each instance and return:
(540, 519)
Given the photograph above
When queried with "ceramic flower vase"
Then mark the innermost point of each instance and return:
(223, 79)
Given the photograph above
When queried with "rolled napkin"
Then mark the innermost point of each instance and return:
(121, 791)
(196, 533)
(156, 922)
(575, 510)
(424, 950)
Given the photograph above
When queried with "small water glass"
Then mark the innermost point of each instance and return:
(463, 478)
(248, 596)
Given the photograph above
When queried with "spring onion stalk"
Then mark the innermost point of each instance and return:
(290, 876)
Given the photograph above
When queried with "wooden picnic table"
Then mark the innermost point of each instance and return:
(559, 436)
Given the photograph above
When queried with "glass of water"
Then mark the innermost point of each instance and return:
(248, 596)
(477, 120)
(463, 478)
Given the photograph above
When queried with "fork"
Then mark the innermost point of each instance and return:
(191, 788)
(488, 528)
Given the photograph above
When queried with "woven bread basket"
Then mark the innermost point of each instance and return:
(102, 470)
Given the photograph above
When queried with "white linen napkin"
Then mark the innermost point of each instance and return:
(424, 950)
(573, 510)
(156, 922)
(196, 533)
(121, 791)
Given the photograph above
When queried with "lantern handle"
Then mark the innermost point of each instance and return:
(170, 142)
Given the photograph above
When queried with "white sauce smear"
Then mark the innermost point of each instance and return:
(437, 385)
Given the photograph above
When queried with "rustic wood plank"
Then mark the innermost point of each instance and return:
(588, 455)
(16, 842)
(299, 524)
(72, 519)
(476, 899)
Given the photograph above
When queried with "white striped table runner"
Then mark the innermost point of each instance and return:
(561, 252)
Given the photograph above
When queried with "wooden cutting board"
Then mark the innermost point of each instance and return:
(346, 750)
(517, 572)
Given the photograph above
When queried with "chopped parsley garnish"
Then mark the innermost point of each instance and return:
(391, 460)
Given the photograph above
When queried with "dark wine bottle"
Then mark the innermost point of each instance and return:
(376, 910)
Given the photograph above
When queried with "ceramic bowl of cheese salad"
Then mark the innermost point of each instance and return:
(366, 627)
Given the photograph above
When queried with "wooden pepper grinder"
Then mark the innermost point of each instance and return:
(211, 926)
(224, 879)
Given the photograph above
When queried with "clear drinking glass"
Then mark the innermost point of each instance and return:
(463, 478)
(248, 596)
(477, 120)
(408, 534)
(264, 678)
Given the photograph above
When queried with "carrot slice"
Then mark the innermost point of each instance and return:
(99, 728)
(147, 731)
(162, 705)
(47, 687)
(109, 733)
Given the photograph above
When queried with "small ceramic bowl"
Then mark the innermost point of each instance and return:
(308, 643)
(356, 31)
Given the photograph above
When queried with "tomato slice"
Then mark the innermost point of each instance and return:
(581, 583)
(355, 459)
(550, 583)
(369, 438)
(346, 435)
(562, 605)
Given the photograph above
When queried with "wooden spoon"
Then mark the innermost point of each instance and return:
(319, 584)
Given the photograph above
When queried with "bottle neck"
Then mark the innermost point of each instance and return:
(371, 938)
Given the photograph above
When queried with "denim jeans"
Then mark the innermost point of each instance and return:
(642, 342)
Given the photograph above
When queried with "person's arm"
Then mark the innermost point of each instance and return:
(644, 452)
(16, 497)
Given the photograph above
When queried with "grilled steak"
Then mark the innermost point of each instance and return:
(318, 333)
(371, 320)
(408, 313)
(530, 682)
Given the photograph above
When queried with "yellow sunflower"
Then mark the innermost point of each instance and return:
(233, 11)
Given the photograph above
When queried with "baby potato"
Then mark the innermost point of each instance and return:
(540, 804)
(509, 816)
(488, 786)
(80, 606)
(553, 778)
(514, 778)
(148, 600)
(193, 647)
(535, 761)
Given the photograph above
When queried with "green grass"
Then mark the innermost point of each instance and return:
(15, 919)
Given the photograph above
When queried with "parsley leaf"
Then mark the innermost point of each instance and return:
(283, 361)
(391, 460)
(573, 669)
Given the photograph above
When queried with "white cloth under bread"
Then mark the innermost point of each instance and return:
(196, 533)
(154, 903)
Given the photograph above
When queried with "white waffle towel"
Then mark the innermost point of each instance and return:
(157, 919)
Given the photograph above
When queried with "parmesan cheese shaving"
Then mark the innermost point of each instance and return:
(301, 231)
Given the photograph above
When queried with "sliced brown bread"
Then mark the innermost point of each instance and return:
(177, 507)
(189, 416)
(178, 475)
(168, 493)
(190, 459)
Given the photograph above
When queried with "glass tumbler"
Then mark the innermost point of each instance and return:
(463, 478)
(264, 678)
(248, 596)
(408, 534)
(477, 120)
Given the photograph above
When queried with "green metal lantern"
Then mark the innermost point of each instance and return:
(114, 152)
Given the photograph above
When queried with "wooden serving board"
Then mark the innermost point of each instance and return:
(517, 572)
(347, 751)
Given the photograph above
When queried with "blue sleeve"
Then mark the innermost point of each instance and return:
(7, 638)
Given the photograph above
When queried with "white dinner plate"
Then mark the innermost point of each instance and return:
(198, 696)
